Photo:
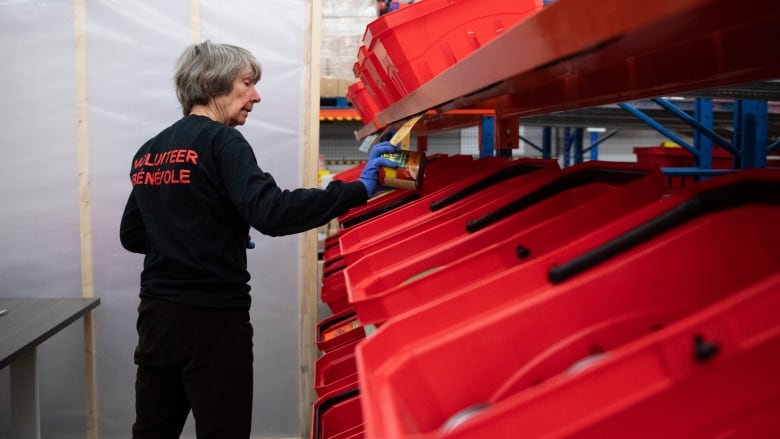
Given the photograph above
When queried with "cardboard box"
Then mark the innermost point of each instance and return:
(329, 87)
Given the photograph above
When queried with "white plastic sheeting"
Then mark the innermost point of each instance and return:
(131, 47)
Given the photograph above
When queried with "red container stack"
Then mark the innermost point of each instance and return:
(544, 319)
(675, 156)
(337, 415)
(376, 80)
(363, 103)
(643, 327)
(414, 44)
(336, 370)
(441, 172)
(472, 247)
(504, 301)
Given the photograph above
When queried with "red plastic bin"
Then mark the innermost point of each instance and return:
(514, 249)
(333, 293)
(541, 201)
(499, 287)
(365, 105)
(379, 85)
(453, 200)
(486, 194)
(382, 202)
(406, 208)
(339, 329)
(440, 171)
(417, 43)
(709, 375)
(376, 75)
(665, 156)
(336, 369)
(350, 174)
(333, 290)
(659, 315)
(338, 415)
(481, 168)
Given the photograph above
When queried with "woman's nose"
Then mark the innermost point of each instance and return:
(255, 95)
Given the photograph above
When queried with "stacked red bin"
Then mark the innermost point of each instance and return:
(404, 49)
(443, 173)
(362, 101)
(659, 322)
(449, 181)
(368, 70)
(336, 414)
(585, 302)
(459, 187)
(534, 190)
(534, 219)
(514, 299)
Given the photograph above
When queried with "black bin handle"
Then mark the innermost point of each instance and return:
(495, 178)
(564, 183)
(327, 404)
(373, 213)
(739, 193)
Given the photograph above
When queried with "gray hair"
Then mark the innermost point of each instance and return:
(207, 70)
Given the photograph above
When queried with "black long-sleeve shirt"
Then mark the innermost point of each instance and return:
(197, 189)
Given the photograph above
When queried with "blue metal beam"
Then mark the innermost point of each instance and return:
(658, 127)
(773, 146)
(750, 132)
(546, 143)
(703, 130)
(596, 141)
(487, 136)
(594, 145)
(567, 141)
(579, 134)
(702, 143)
(693, 172)
(531, 144)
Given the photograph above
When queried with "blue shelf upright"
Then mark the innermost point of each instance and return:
(748, 144)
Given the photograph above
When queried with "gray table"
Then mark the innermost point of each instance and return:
(27, 323)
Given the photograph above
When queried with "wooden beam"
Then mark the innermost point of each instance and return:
(307, 350)
(85, 222)
(195, 21)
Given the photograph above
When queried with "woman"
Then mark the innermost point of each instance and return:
(197, 190)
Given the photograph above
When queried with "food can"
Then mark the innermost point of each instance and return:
(410, 171)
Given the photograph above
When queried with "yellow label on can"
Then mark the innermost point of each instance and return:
(405, 174)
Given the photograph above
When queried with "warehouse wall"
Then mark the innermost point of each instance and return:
(130, 51)
(343, 25)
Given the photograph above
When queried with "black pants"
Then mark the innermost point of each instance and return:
(192, 358)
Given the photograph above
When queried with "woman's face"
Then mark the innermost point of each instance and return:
(235, 106)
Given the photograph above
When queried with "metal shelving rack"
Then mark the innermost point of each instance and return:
(577, 55)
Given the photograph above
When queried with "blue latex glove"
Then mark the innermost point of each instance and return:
(382, 148)
(370, 175)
